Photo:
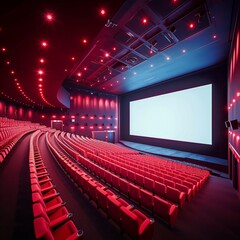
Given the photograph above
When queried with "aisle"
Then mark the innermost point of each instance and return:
(16, 219)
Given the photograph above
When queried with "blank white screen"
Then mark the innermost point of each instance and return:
(182, 116)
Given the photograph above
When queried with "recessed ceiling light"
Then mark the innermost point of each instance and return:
(144, 20)
(44, 44)
(103, 12)
(49, 17)
(191, 25)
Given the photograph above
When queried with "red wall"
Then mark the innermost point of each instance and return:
(91, 112)
(13, 111)
(234, 109)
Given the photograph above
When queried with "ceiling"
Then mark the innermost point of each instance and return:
(45, 45)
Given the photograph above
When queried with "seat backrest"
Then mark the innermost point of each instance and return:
(160, 189)
(130, 223)
(161, 207)
(39, 211)
(114, 206)
(42, 230)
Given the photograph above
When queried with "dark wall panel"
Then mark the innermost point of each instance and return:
(217, 76)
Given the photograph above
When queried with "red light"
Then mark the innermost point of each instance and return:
(40, 72)
(63, 116)
(191, 25)
(40, 79)
(41, 60)
(91, 117)
(85, 69)
(214, 36)
(12, 72)
(44, 44)
(40, 85)
(53, 116)
(103, 12)
(238, 94)
(101, 60)
(72, 116)
(106, 54)
(49, 17)
(4, 49)
(84, 40)
(114, 49)
(234, 100)
(73, 58)
(72, 127)
(82, 127)
(43, 116)
(144, 20)
(83, 117)
(91, 127)
(7, 62)
(65, 70)
(79, 74)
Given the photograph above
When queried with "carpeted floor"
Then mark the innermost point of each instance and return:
(214, 213)
(16, 219)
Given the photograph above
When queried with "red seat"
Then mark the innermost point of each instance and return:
(134, 192)
(169, 183)
(114, 211)
(184, 189)
(101, 199)
(46, 186)
(191, 186)
(49, 205)
(139, 179)
(160, 189)
(124, 186)
(131, 176)
(108, 177)
(115, 181)
(46, 195)
(148, 184)
(146, 199)
(54, 218)
(175, 196)
(92, 190)
(66, 231)
(136, 225)
(165, 210)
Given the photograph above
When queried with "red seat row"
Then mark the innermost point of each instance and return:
(10, 132)
(115, 207)
(51, 218)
